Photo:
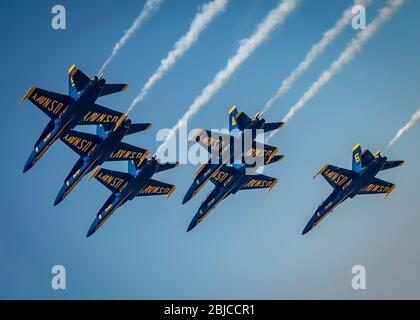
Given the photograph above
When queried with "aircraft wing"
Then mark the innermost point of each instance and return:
(337, 177)
(126, 151)
(156, 188)
(214, 142)
(260, 150)
(80, 142)
(115, 181)
(223, 175)
(259, 181)
(51, 103)
(378, 186)
(101, 115)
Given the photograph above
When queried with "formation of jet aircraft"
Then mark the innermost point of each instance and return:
(235, 158)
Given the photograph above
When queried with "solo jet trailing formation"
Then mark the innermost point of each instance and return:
(350, 183)
(137, 182)
(68, 111)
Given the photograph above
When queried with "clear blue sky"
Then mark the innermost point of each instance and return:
(251, 245)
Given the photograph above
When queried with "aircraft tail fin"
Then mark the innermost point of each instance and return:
(392, 164)
(132, 167)
(243, 120)
(367, 157)
(77, 81)
(357, 160)
(113, 88)
(233, 124)
(100, 130)
(138, 127)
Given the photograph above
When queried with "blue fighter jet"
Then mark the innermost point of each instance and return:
(94, 150)
(224, 150)
(229, 180)
(68, 111)
(127, 186)
(350, 183)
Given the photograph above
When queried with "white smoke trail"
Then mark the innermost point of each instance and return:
(415, 119)
(352, 49)
(316, 50)
(201, 20)
(150, 7)
(247, 46)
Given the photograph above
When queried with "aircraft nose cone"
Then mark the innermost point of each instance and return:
(28, 165)
(90, 232)
(92, 228)
(187, 198)
(192, 225)
(307, 229)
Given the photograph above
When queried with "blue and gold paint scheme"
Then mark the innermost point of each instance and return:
(137, 182)
(68, 111)
(94, 150)
(350, 183)
(222, 147)
(229, 180)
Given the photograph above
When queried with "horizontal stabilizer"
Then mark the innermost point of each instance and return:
(259, 181)
(272, 126)
(167, 166)
(113, 88)
(138, 127)
(275, 159)
(392, 164)
(115, 181)
(51, 103)
(156, 188)
(378, 186)
(337, 177)
(81, 142)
